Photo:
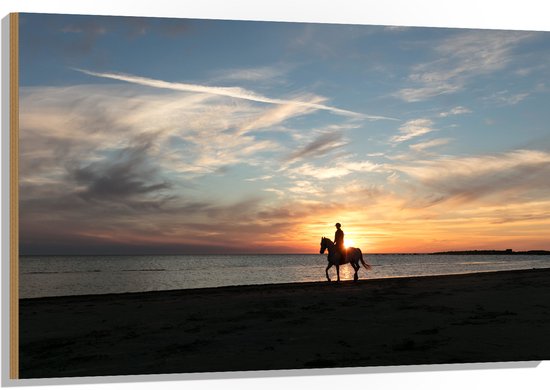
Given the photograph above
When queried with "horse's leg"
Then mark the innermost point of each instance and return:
(338, 272)
(356, 268)
(326, 271)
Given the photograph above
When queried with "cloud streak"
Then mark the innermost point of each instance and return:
(422, 146)
(466, 179)
(232, 92)
(505, 98)
(458, 110)
(412, 129)
(323, 144)
(461, 58)
(262, 74)
(338, 170)
(276, 115)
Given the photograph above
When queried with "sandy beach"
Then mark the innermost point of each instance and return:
(485, 317)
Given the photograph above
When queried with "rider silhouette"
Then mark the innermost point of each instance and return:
(339, 242)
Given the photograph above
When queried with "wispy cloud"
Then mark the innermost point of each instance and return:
(461, 57)
(265, 177)
(338, 170)
(305, 189)
(506, 98)
(321, 145)
(272, 116)
(276, 191)
(262, 73)
(413, 128)
(458, 110)
(465, 179)
(232, 92)
(422, 146)
(425, 92)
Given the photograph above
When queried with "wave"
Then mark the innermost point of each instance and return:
(93, 271)
(145, 270)
(483, 262)
(60, 272)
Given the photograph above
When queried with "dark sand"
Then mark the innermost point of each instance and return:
(486, 317)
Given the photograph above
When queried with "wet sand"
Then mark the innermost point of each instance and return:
(485, 317)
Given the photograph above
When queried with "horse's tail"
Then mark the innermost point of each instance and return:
(366, 265)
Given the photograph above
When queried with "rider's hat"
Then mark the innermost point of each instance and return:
(338, 224)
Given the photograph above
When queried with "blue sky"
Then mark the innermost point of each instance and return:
(182, 136)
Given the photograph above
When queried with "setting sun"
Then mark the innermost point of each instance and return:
(348, 242)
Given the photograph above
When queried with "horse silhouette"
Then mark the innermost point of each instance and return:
(353, 257)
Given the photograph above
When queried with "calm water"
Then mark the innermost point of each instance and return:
(76, 275)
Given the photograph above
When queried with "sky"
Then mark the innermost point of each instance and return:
(167, 136)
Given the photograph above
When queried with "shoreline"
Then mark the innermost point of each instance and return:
(466, 318)
(289, 284)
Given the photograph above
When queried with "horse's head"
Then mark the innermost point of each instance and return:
(324, 244)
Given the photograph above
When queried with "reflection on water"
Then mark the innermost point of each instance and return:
(77, 275)
(346, 272)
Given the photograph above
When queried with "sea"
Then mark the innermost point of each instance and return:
(47, 276)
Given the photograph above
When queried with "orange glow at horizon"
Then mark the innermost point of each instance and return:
(392, 228)
(386, 228)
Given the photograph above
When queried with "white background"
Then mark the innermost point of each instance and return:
(504, 14)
